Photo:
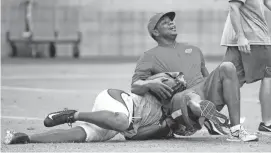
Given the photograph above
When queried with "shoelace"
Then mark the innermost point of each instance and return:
(242, 132)
(69, 120)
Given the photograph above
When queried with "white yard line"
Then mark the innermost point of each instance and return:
(65, 76)
(21, 118)
(26, 89)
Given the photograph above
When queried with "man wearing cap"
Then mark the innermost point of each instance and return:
(220, 87)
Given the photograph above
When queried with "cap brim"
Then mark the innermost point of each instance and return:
(171, 15)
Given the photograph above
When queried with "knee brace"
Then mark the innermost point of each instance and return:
(267, 72)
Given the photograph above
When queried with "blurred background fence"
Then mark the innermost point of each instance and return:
(115, 27)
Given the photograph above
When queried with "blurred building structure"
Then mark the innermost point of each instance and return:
(116, 27)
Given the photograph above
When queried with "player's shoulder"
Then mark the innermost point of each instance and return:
(149, 54)
(152, 51)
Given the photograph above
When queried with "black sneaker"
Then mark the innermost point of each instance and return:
(264, 128)
(61, 117)
(16, 138)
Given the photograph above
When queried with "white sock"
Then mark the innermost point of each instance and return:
(235, 128)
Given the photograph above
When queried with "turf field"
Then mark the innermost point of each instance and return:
(31, 88)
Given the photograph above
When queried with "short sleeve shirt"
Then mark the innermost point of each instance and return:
(253, 23)
(183, 58)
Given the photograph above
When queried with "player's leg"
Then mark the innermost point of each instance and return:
(85, 132)
(265, 93)
(76, 134)
(265, 100)
(110, 111)
(222, 87)
(231, 91)
(193, 109)
(256, 66)
(232, 55)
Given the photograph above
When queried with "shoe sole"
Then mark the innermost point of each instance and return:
(264, 133)
(209, 111)
(239, 140)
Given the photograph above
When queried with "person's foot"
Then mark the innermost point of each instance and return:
(61, 117)
(242, 135)
(213, 122)
(16, 138)
(262, 127)
(212, 128)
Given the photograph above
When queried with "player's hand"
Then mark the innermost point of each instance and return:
(243, 44)
(158, 87)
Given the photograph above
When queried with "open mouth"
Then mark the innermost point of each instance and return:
(173, 28)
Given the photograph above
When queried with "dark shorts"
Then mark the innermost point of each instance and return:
(209, 89)
(250, 67)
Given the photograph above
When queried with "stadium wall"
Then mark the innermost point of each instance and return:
(116, 27)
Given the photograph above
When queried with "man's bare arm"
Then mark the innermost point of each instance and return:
(152, 132)
(267, 3)
(235, 16)
(140, 87)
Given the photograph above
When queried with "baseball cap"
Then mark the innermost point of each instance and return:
(154, 20)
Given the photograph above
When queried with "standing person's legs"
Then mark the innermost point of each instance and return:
(251, 68)
(265, 94)
(265, 99)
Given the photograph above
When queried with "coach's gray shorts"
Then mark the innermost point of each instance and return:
(250, 67)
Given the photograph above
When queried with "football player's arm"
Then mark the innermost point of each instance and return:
(267, 3)
(152, 132)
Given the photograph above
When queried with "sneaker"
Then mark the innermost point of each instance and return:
(16, 138)
(212, 128)
(61, 117)
(264, 128)
(213, 122)
(242, 135)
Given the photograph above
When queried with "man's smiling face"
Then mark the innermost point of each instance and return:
(166, 27)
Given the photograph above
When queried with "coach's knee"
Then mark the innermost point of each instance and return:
(227, 69)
